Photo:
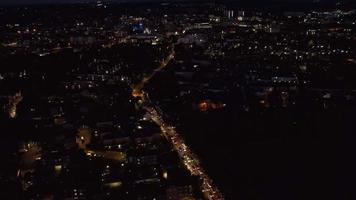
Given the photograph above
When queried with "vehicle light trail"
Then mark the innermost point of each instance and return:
(188, 157)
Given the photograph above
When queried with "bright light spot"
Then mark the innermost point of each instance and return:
(114, 184)
(58, 168)
(165, 175)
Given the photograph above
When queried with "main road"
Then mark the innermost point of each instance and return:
(188, 157)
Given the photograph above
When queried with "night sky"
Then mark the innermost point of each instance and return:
(80, 1)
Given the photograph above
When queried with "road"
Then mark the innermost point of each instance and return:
(12, 104)
(137, 88)
(188, 157)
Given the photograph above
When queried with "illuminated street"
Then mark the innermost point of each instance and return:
(13, 102)
(137, 88)
(188, 157)
(190, 160)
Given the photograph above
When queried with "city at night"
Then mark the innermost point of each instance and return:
(177, 100)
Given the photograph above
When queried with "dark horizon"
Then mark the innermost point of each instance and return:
(38, 2)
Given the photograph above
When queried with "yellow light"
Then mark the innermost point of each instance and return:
(114, 184)
(165, 175)
(58, 168)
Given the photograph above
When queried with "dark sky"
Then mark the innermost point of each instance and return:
(62, 1)
(76, 1)
(36, 1)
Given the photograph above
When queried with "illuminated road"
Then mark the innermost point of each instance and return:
(12, 104)
(188, 157)
(137, 88)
